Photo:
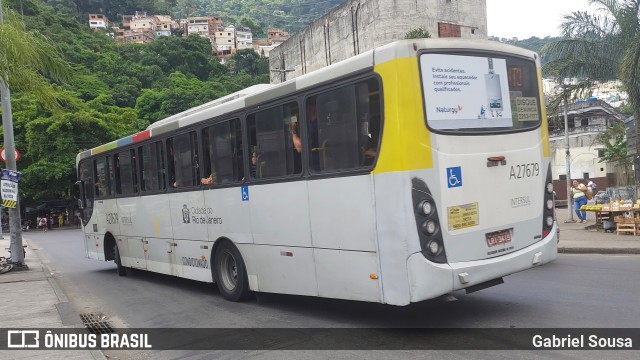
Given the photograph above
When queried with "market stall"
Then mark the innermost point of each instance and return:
(623, 217)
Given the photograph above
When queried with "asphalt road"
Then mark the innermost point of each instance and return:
(575, 291)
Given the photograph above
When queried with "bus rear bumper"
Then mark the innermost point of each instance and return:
(429, 280)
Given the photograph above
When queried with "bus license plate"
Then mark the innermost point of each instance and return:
(498, 237)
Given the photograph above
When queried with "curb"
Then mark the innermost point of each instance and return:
(603, 251)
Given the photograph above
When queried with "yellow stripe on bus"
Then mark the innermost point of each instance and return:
(406, 141)
(544, 127)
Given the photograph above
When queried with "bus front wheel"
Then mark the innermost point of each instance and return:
(231, 275)
(122, 271)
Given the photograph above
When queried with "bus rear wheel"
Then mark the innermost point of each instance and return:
(231, 275)
(122, 271)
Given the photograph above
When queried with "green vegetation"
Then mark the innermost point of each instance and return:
(536, 44)
(614, 146)
(111, 91)
(417, 33)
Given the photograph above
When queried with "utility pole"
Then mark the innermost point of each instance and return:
(568, 161)
(15, 228)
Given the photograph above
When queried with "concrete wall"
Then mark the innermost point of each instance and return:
(361, 25)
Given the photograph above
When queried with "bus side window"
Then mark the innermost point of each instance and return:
(271, 139)
(111, 176)
(222, 144)
(337, 145)
(151, 167)
(126, 179)
(116, 173)
(102, 180)
(182, 153)
(369, 121)
(347, 130)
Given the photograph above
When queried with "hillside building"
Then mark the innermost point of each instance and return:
(98, 21)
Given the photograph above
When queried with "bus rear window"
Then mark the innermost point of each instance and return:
(477, 93)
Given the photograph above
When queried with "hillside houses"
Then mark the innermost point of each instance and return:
(225, 39)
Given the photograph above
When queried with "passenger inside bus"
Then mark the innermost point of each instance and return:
(370, 150)
(210, 180)
(312, 123)
(253, 165)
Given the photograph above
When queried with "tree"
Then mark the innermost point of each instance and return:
(600, 46)
(614, 142)
(29, 61)
(250, 61)
(417, 33)
(256, 30)
(615, 147)
(54, 141)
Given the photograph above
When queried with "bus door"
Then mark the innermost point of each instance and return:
(340, 206)
(84, 189)
(188, 210)
(279, 210)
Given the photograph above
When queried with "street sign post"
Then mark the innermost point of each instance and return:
(3, 156)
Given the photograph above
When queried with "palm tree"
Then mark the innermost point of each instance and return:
(597, 46)
(29, 61)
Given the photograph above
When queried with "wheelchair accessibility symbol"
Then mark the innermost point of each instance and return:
(454, 177)
(245, 193)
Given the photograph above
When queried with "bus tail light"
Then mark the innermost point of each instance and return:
(427, 222)
(548, 211)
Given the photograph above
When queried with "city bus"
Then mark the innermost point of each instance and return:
(402, 174)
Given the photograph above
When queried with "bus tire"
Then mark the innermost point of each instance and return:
(121, 270)
(231, 274)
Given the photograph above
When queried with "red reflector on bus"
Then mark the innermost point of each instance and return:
(545, 233)
(496, 158)
(286, 253)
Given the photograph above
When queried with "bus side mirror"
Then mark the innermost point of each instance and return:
(78, 193)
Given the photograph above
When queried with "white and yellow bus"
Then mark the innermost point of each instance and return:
(404, 173)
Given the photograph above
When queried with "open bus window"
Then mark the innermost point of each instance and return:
(151, 160)
(182, 153)
(222, 146)
(271, 134)
(344, 127)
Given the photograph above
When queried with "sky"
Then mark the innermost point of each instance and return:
(524, 19)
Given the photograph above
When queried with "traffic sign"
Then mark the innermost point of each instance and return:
(9, 188)
(3, 157)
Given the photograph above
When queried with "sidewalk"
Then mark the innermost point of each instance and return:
(577, 238)
(32, 299)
